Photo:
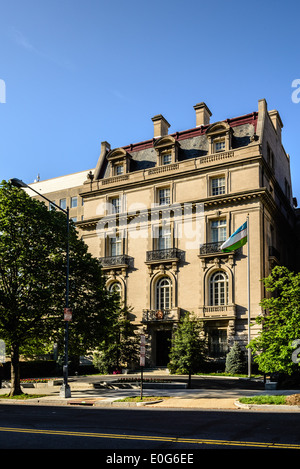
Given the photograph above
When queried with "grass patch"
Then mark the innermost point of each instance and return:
(138, 398)
(271, 400)
(21, 396)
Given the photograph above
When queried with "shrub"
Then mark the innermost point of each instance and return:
(235, 361)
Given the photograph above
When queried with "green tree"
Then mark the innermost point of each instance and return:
(187, 350)
(120, 347)
(280, 325)
(235, 360)
(33, 282)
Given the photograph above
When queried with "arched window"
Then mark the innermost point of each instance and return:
(163, 294)
(218, 289)
(115, 288)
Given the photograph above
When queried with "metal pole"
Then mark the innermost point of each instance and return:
(142, 382)
(248, 260)
(65, 390)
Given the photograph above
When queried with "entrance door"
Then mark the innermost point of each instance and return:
(163, 345)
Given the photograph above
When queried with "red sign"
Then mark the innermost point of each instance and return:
(67, 314)
(142, 360)
(142, 350)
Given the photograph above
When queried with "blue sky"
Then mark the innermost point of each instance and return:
(78, 73)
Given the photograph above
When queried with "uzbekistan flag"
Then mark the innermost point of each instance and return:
(236, 240)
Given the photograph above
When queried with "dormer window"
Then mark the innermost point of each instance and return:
(219, 137)
(167, 158)
(219, 145)
(167, 150)
(119, 161)
(119, 169)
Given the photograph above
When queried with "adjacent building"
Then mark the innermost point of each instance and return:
(156, 213)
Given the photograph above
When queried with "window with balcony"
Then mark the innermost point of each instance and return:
(218, 289)
(218, 231)
(164, 238)
(115, 246)
(163, 294)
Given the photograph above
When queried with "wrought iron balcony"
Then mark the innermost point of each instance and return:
(152, 315)
(211, 248)
(115, 261)
(163, 255)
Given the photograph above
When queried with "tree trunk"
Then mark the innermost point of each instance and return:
(15, 371)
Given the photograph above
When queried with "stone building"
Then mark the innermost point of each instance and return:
(156, 213)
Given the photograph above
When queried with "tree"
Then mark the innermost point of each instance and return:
(120, 347)
(280, 326)
(33, 281)
(187, 350)
(235, 360)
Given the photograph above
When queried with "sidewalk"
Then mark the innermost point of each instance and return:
(84, 393)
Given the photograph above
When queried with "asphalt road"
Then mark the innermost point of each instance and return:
(135, 429)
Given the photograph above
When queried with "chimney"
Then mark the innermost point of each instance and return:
(202, 114)
(277, 122)
(161, 126)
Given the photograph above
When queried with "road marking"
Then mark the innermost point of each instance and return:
(152, 438)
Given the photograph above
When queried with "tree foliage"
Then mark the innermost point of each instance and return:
(33, 281)
(280, 326)
(235, 360)
(187, 350)
(120, 347)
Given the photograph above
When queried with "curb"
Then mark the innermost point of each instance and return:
(282, 407)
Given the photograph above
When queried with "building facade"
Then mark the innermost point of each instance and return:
(156, 213)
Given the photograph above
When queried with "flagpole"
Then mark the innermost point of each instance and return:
(248, 261)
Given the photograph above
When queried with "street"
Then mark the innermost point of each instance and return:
(188, 431)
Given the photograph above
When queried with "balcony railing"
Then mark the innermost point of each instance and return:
(162, 254)
(225, 311)
(112, 261)
(152, 315)
(211, 248)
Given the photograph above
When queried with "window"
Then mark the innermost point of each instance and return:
(73, 202)
(163, 294)
(115, 288)
(218, 289)
(218, 231)
(166, 158)
(115, 201)
(218, 346)
(220, 145)
(119, 169)
(51, 206)
(164, 196)
(115, 245)
(63, 204)
(164, 237)
(74, 219)
(218, 186)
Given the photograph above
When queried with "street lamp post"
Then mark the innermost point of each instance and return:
(65, 390)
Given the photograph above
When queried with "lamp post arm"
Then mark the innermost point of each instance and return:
(18, 183)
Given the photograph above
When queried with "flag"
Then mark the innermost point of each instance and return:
(236, 240)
